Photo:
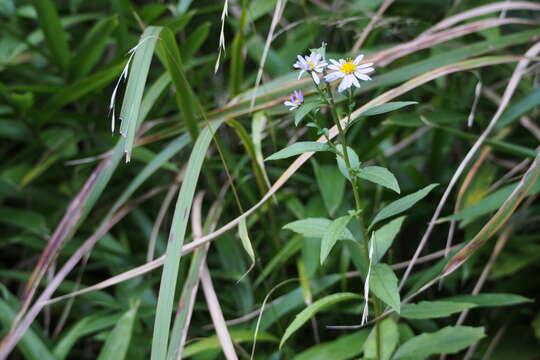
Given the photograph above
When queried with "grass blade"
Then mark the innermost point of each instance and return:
(138, 72)
(176, 240)
(55, 36)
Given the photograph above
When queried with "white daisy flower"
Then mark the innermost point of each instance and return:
(350, 71)
(296, 99)
(313, 64)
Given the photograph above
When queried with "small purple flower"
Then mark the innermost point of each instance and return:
(296, 99)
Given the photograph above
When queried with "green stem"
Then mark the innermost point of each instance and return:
(356, 193)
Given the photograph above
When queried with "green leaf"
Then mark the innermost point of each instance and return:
(55, 36)
(212, 342)
(389, 106)
(290, 248)
(488, 204)
(490, 299)
(177, 234)
(433, 309)
(87, 325)
(378, 175)
(138, 73)
(119, 338)
(299, 148)
(246, 242)
(385, 235)
(402, 204)
(353, 161)
(343, 348)
(331, 184)
(315, 228)
(30, 345)
(26, 220)
(384, 284)
(332, 234)
(169, 55)
(313, 309)
(389, 336)
(448, 340)
(195, 40)
(92, 47)
(304, 110)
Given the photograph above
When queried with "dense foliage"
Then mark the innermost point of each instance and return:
(395, 220)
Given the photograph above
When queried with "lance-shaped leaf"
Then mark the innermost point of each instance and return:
(402, 204)
(315, 227)
(378, 175)
(332, 234)
(449, 340)
(299, 148)
(433, 309)
(384, 284)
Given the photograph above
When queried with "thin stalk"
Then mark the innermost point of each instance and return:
(356, 193)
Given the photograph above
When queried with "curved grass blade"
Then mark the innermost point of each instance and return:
(176, 240)
(138, 73)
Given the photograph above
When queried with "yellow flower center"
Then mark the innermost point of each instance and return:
(311, 65)
(348, 68)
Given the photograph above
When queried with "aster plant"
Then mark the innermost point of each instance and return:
(366, 236)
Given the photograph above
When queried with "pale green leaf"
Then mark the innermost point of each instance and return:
(119, 338)
(385, 235)
(331, 184)
(449, 340)
(332, 234)
(433, 309)
(402, 204)
(299, 148)
(343, 348)
(387, 107)
(303, 111)
(315, 227)
(384, 284)
(354, 161)
(246, 242)
(389, 336)
(378, 175)
(490, 299)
